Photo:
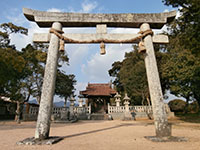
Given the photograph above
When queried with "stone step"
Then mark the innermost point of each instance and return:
(99, 116)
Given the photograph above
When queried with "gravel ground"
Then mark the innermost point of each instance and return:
(100, 135)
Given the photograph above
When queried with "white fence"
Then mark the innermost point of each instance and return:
(58, 110)
(33, 110)
(82, 110)
(86, 111)
(121, 109)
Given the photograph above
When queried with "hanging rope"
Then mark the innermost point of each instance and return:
(64, 39)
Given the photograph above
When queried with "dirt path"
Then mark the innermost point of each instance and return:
(101, 135)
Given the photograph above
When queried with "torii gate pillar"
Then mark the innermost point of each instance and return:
(43, 121)
(160, 118)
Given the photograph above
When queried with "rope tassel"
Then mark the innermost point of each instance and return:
(62, 46)
(102, 47)
(142, 48)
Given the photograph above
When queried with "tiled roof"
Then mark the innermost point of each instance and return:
(99, 89)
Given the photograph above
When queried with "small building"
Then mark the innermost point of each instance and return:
(98, 95)
(7, 110)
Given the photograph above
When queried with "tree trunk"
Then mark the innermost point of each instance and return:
(18, 111)
(38, 98)
(186, 106)
(27, 99)
(198, 102)
(148, 101)
(17, 114)
(149, 113)
(65, 103)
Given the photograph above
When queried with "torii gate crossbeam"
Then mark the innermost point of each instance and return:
(57, 20)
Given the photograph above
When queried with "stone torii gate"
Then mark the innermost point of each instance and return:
(57, 20)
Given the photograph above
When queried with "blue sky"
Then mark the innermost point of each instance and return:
(85, 61)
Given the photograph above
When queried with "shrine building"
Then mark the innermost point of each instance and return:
(98, 95)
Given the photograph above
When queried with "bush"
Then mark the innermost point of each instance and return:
(177, 105)
(193, 107)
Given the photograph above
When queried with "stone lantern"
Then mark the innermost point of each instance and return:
(126, 102)
(71, 108)
(127, 113)
(80, 100)
(72, 100)
(117, 99)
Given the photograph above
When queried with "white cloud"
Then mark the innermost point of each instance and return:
(21, 41)
(18, 20)
(88, 6)
(54, 10)
(164, 28)
(96, 69)
(80, 86)
(97, 66)
(166, 10)
(124, 30)
(76, 53)
(15, 16)
(178, 14)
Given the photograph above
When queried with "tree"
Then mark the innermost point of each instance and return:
(35, 56)
(11, 64)
(180, 72)
(64, 85)
(21, 73)
(187, 26)
(177, 105)
(130, 77)
(183, 65)
(9, 28)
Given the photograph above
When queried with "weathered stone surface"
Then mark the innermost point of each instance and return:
(33, 141)
(101, 28)
(130, 20)
(43, 122)
(110, 38)
(159, 113)
(166, 139)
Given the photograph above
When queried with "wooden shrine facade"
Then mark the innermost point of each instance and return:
(98, 95)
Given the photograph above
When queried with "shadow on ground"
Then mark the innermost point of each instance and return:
(99, 130)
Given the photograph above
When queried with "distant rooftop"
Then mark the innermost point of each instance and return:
(98, 89)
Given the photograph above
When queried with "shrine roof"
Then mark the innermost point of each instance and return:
(126, 20)
(98, 89)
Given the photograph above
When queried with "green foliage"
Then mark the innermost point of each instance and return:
(64, 85)
(193, 107)
(177, 105)
(11, 63)
(182, 69)
(130, 77)
(21, 73)
(35, 57)
(114, 72)
(187, 26)
(7, 29)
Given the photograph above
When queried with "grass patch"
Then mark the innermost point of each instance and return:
(190, 117)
